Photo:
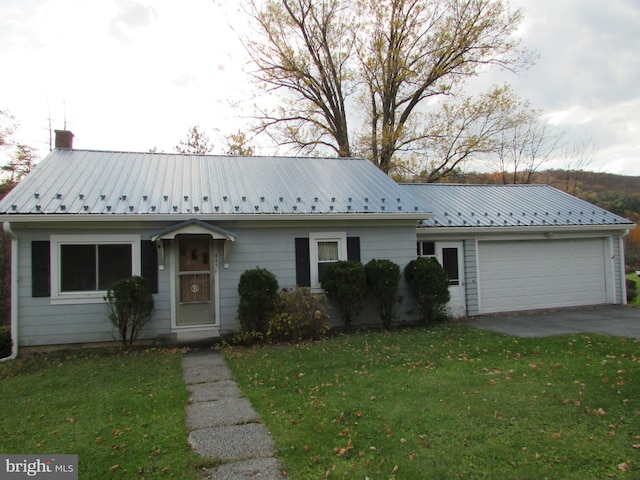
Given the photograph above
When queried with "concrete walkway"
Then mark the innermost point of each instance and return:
(614, 320)
(223, 426)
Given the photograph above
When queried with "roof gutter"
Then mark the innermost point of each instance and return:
(6, 227)
(443, 230)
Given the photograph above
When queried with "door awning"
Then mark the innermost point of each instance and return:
(193, 227)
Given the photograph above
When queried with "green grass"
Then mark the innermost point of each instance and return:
(449, 402)
(122, 413)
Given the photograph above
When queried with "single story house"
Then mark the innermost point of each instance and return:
(191, 225)
(522, 247)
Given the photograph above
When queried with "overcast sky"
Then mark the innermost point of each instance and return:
(133, 75)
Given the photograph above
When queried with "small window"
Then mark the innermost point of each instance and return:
(327, 254)
(426, 249)
(325, 249)
(450, 264)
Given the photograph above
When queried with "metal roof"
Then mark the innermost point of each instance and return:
(79, 182)
(507, 206)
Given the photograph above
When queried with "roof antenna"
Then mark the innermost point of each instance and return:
(50, 128)
(64, 109)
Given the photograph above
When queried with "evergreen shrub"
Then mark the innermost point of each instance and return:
(429, 284)
(383, 279)
(258, 291)
(346, 283)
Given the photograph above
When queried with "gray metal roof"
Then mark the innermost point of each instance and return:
(507, 206)
(97, 182)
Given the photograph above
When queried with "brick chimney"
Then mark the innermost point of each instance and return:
(64, 139)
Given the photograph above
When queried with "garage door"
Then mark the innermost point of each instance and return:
(528, 275)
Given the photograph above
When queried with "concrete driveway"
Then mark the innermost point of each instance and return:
(615, 320)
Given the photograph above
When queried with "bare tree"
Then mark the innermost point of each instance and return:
(459, 130)
(389, 57)
(525, 147)
(303, 48)
(577, 155)
(196, 143)
(421, 49)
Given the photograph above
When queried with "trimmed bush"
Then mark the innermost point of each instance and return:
(300, 315)
(258, 290)
(346, 283)
(130, 306)
(632, 290)
(429, 284)
(5, 342)
(383, 278)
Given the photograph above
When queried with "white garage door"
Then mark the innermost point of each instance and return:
(527, 275)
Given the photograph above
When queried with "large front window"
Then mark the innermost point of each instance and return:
(88, 268)
(84, 267)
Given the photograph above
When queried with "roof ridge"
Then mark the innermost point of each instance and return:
(176, 154)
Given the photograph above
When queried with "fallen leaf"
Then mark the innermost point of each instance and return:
(625, 467)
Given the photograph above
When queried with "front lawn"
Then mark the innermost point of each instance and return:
(449, 402)
(122, 413)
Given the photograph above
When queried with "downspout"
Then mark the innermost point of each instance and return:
(6, 227)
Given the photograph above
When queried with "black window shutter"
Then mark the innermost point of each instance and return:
(149, 267)
(40, 268)
(303, 263)
(353, 248)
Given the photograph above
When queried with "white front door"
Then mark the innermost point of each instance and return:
(450, 256)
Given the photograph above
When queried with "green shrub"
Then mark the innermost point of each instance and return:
(383, 278)
(248, 339)
(346, 283)
(129, 306)
(258, 290)
(5, 342)
(632, 290)
(300, 315)
(429, 284)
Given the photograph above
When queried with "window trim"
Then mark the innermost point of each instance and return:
(97, 296)
(314, 239)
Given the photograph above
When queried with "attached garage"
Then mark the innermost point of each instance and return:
(527, 275)
(525, 247)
